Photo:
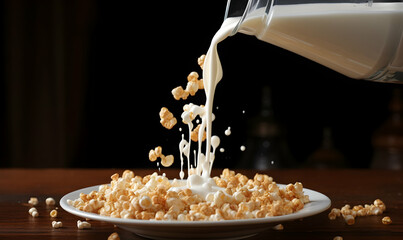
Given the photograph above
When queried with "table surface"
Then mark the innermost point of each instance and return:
(346, 186)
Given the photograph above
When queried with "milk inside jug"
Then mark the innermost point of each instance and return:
(359, 39)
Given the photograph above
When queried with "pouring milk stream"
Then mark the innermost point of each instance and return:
(359, 40)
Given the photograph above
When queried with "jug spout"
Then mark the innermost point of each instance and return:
(359, 40)
(393, 72)
(397, 63)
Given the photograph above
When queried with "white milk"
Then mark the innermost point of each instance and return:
(356, 40)
(201, 182)
(212, 74)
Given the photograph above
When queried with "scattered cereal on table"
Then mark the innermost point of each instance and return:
(57, 224)
(50, 201)
(114, 236)
(83, 224)
(53, 213)
(349, 214)
(33, 212)
(33, 201)
(278, 227)
(335, 212)
(386, 220)
(350, 220)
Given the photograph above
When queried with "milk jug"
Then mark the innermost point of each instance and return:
(359, 39)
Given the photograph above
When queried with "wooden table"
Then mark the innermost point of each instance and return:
(341, 186)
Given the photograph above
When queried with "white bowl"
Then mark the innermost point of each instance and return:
(227, 229)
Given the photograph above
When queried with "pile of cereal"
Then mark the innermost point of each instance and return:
(154, 197)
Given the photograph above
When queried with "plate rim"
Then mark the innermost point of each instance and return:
(319, 199)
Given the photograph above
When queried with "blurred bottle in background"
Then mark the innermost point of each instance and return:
(326, 156)
(387, 140)
(266, 147)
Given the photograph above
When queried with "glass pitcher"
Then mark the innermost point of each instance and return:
(360, 39)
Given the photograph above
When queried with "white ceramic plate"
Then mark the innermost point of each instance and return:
(228, 229)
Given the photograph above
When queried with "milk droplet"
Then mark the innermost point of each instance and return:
(222, 150)
(243, 148)
(228, 131)
(215, 141)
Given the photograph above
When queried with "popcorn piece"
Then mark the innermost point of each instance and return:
(53, 213)
(50, 201)
(380, 204)
(33, 201)
(155, 153)
(192, 88)
(167, 118)
(194, 77)
(200, 83)
(386, 220)
(350, 220)
(278, 227)
(114, 236)
(33, 212)
(193, 85)
(145, 202)
(57, 224)
(194, 135)
(190, 111)
(83, 225)
(167, 161)
(115, 176)
(346, 210)
(335, 212)
(127, 174)
(200, 60)
(179, 93)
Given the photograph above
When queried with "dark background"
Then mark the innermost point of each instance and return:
(83, 82)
